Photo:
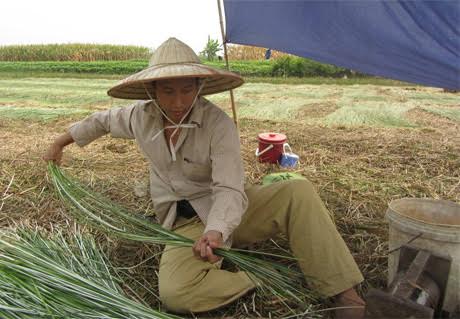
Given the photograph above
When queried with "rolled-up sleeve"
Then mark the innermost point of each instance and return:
(229, 200)
(116, 121)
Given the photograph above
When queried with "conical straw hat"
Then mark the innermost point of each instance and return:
(174, 59)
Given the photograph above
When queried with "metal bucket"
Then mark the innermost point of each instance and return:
(429, 224)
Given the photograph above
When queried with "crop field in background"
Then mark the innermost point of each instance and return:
(108, 52)
(260, 68)
(362, 145)
(72, 52)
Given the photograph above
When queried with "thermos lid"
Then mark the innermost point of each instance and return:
(272, 137)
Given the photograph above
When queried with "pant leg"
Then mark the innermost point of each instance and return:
(187, 284)
(295, 209)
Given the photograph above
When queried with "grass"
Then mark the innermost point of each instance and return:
(47, 74)
(450, 113)
(324, 104)
(377, 114)
(269, 101)
(92, 67)
(41, 114)
(445, 99)
(326, 80)
(252, 71)
(57, 93)
(18, 74)
(259, 68)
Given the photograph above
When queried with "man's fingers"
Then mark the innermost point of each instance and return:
(211, 257)
(203, 251)
(198, 248)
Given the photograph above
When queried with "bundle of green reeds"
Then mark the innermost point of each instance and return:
(91, 208)
(61, 276)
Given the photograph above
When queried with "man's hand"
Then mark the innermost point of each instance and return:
(54, 152)
(203, 247)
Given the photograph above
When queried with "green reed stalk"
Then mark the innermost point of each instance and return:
(61, 277)
(91, 208)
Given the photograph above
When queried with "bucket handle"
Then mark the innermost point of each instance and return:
(410, 240)
(265, 150)
(286, 145)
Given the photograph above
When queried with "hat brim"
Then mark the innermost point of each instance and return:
(134, 86)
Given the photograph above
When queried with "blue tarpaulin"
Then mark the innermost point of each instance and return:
(414, 41)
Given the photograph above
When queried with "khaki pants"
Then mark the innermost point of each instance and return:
(293, 208)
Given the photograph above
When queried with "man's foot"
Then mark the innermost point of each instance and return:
(349, 304)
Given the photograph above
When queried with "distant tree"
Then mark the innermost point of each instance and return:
(210, 50)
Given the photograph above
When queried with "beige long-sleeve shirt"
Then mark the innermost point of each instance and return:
(208, 171)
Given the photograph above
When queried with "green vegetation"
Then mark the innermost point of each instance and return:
(247, 79)
(354, 105)
(245, 68)
(450, 113)
(61, 275)
(57, 93)
(72, 52)
(98, 67)
(301, 67)
(262, 68)
(210, 50)
(365, 114)
(41, 114)
(327, 81)
(326, 104)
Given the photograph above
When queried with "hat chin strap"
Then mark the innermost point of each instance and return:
(174, 125)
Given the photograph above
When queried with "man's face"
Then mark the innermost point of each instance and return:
(176, 96)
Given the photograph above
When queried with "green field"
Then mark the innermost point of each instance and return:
(246, 68)
(259, 68)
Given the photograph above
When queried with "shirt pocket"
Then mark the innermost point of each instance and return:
(197, 172)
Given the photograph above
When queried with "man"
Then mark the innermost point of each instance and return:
(197, 186)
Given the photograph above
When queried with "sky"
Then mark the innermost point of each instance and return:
(133, 22)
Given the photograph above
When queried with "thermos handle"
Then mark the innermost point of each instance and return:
(286, 145)
(265, 150)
